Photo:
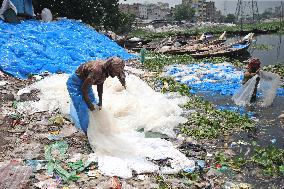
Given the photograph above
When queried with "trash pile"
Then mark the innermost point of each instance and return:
(209, 78)
(168, 28)
(34, 47)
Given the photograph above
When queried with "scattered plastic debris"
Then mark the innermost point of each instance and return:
(14, 175)
(209, 78)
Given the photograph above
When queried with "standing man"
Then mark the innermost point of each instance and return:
(79, 86)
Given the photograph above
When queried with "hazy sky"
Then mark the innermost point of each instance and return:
(230, 4)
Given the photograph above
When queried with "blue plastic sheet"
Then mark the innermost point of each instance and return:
(221, 79)
(239, 46)
(239, 109)
(34, 47)
(210, 78)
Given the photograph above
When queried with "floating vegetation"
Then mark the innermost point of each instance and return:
(262, 47)
(269, 159)
(206, 121)
(156, 62)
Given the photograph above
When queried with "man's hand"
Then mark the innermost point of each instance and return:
(95, 107)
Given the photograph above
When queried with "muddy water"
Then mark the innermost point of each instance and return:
(275, 53)
(268, 124)
(268, 132)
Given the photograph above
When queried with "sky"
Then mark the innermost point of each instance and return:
(230, 4)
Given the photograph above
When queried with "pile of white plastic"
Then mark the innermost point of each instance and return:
(113, 132)
(167, 28)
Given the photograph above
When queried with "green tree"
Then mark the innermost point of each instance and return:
(98, 13)
(265, 15)
(183, 12)
(230, 18)
(125, 21)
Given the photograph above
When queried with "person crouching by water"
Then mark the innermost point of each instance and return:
(252, 70)
(79, 86)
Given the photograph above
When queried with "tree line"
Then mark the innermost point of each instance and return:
(101, 14)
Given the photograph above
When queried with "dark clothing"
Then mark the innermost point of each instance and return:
(248, 77)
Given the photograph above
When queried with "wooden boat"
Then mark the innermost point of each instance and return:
(232, 50)
(191, 47)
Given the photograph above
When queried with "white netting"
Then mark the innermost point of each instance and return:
(112, 132)
(121, 151)
(268, 85)
(243, 96)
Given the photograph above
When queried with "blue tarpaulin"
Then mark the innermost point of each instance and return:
(33, 47)
(24, 6)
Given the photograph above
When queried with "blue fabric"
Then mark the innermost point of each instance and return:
(24, 6)
(239, 46)
(34, 47)
(81, 114)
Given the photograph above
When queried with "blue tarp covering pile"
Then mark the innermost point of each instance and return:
(33, 47)
(210, 78)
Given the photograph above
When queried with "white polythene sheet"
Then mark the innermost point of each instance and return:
(112, 132)
(268, 85)
(53, 95)
(243, 96)
(121, 151)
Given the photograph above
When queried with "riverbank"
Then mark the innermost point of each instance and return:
(248, 145)
(257, 28)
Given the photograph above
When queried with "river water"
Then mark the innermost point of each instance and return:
(269, 130)
(272, 53)
(275, 52)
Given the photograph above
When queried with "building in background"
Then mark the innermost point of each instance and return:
(200, 7)
(211, 12)
(204, 11)
(150, 11)
(143, 12)
(131, 9)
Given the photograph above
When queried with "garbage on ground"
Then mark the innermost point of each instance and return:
(281, 117)
(231, 185)
(58, 120)
(191, 168)
(27, 151)
(2, 83)
(36, 165)
(56, 156)
(14, 175)
(273, 141)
